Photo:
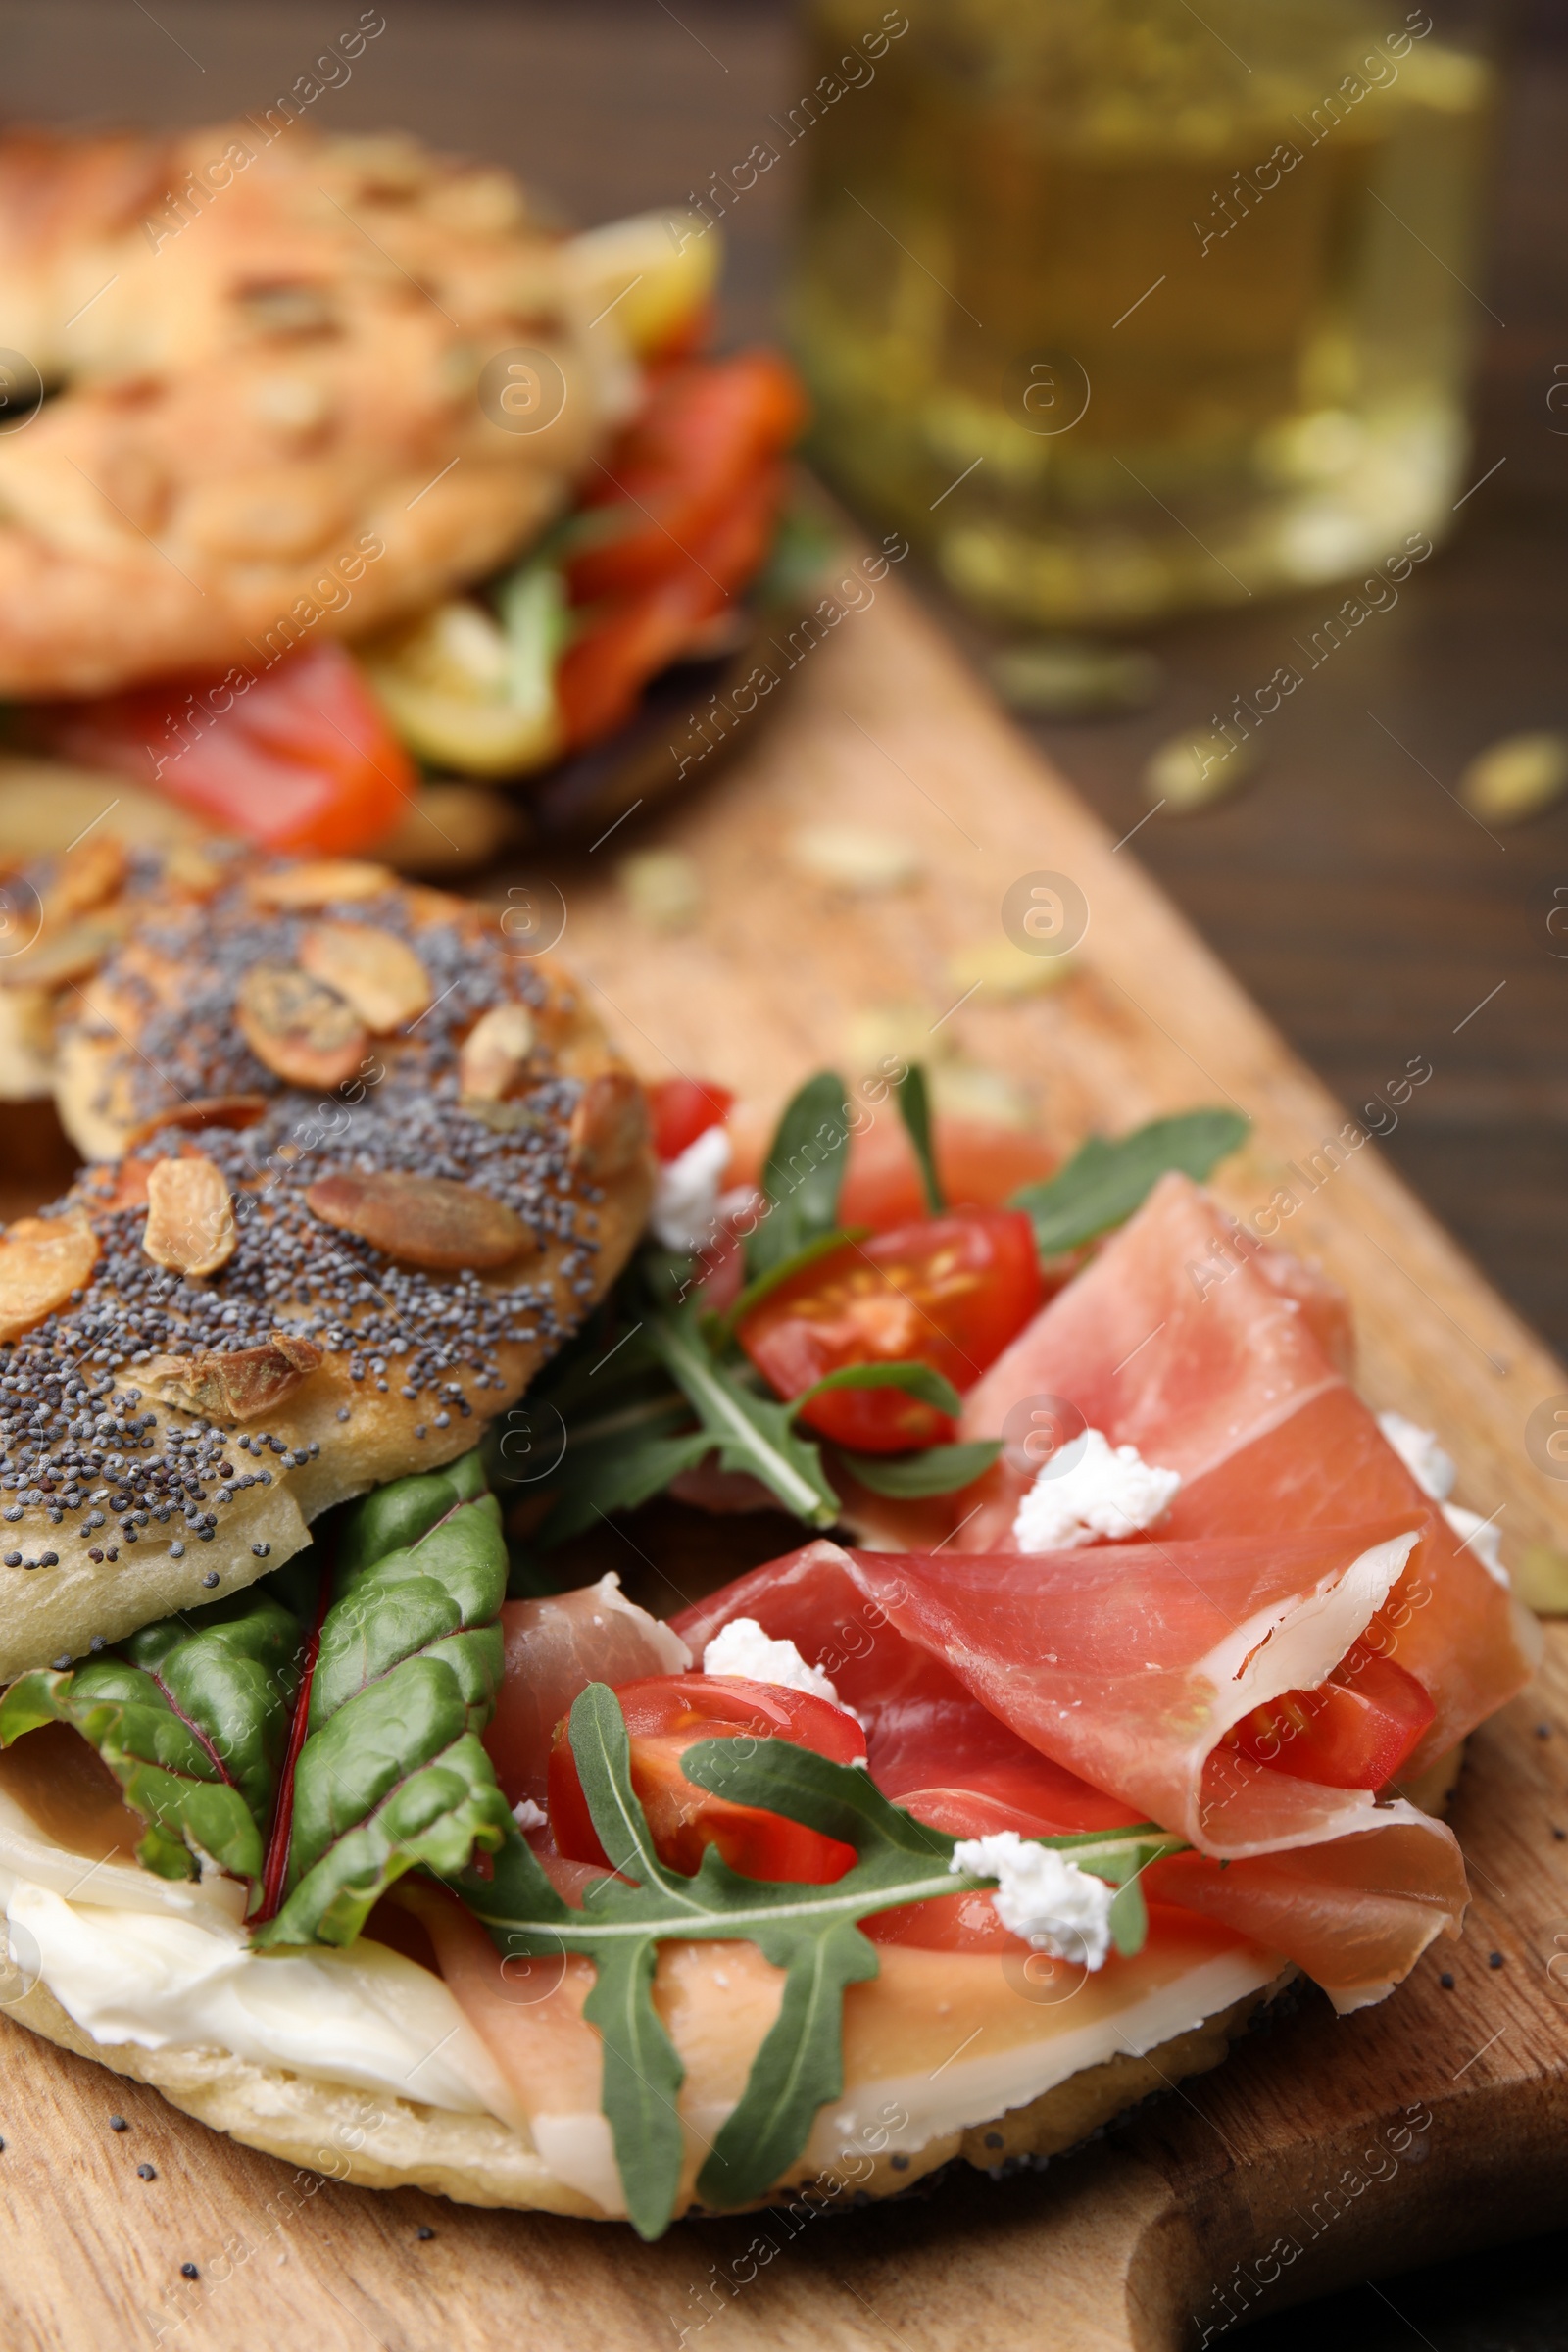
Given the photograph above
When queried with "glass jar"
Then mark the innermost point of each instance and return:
(1119, 309)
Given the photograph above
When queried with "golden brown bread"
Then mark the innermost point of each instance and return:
(267, 349)
(377, 1165)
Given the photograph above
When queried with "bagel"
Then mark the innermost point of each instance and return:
(362, 1168)
(264, 351)
(946, 2055)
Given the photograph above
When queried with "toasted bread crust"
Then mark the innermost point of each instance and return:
(136, 1402)
(266, 348)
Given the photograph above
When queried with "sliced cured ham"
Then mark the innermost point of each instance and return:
(1211, 1355)
(553, 1648)
(1128, 1663)
(908, 1641)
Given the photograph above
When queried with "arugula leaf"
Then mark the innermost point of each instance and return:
(191, 1716)
(751, 1432)
(810, 1932)
(1105, 1181)
(803, 1173)
(920, 1380)
(392, 1772)
(787, 1268)
(914, 1109)
(939, 1470)
(619, 1471)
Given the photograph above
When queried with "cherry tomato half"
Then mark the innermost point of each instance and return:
(979, 1163)
(703, 434)
(1353, 1731)
(298, 757)
(947, 1292)
(666, 1714)
(682, 1110)
(634, 637)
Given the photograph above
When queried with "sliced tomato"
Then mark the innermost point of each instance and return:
(665, 1713)
(298, 757)
(602, 672)
(682, 1110)
(980, 1164)
(1353, 1732)
(947, 1292)
(704, 432)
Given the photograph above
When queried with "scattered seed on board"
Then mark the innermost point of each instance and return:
(1447, 1980)
(1192, 771)
(118, 2123)
(1494, 1959)
(145, 2172)
(188, 2269)
(1068, 678)
(1515, 780)
(424, 2231)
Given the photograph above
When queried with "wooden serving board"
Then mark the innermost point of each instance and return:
(1321, 2153)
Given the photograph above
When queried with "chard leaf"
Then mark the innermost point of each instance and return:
(809, 1931)
(191, 1716)
(803, 1175)
(392, 1772)
(919, 1380)
(749, 1431)
(939, 1470)
(1105, 1181)
(914, 1109)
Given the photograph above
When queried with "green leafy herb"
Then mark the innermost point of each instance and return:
(532, 604)
(191, 1716)
(619, 1470)
(914, 1109)
(749, 1431)
(786, 1269)
(810, 1932)
(1104, 1182)
(392, 1772)
(803, 1175)
(938, 1470)
(916, 1379)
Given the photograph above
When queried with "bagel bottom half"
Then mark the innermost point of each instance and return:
(382, 2143)
(946, 2055)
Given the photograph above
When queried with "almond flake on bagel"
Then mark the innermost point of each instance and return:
(264, 1299)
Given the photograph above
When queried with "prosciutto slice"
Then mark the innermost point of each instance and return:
(1356, 1908)
(1219, 1357)
(1128, 1662)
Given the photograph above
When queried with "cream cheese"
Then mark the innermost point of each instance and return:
(1090, 1491)
(741, 1648)
(1433, 1469)
(174, 1970)
(1043, 1896)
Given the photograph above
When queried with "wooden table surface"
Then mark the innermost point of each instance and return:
(1358, 905)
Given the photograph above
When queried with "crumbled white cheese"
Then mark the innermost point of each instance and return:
(685, 1210)
(1481, 1535)
(1434, 1472)
(742, 1649)
(1089, 1490)
(1418, 1450)
(527, 1815)
(1041, 1896)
